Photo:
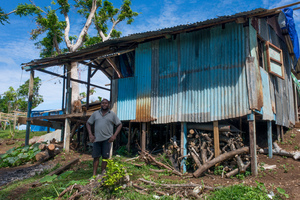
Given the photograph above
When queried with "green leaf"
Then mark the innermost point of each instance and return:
(48, 178)
(11, 150)
(64, 175)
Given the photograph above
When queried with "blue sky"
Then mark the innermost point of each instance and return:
(17, 48)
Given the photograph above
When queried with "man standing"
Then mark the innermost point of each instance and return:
(104, 121)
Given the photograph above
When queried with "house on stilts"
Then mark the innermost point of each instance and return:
(239, 69)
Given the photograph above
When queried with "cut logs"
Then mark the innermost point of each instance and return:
(48, 151)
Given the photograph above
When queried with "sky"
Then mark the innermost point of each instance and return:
(17, 48)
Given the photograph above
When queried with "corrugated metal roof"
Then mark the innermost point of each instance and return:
(98, 49)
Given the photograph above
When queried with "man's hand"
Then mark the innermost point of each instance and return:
(92, 138)
(112, 139)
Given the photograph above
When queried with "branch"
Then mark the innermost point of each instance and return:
(5, 14)
(86, 26)
(56, 44)
(112, 28)
(37, 6)
(67, 30)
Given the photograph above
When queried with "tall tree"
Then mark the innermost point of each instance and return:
(18, 99)
(102, 14)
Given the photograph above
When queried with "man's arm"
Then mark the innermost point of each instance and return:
(89, 129)
(112, 138)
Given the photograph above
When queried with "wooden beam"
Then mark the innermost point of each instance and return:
(114, 66)
(278, 133)
(30, 95)
(281, 134)
(270, 142)
(88, 87)
(216, 138)
(72, 79)
(252, 138)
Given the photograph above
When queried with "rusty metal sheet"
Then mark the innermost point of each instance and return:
(255, 89)
(143, 82)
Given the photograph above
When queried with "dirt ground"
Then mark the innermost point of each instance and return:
(286, 174)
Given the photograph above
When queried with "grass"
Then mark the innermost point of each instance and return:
(5, 134)
(84, 173)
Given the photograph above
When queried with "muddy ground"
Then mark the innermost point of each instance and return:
(286, 174)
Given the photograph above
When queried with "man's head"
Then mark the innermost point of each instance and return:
(104, 104)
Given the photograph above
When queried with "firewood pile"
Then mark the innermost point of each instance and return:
(48, 151)
(200, 146)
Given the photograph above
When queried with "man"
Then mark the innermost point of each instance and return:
(104, 121)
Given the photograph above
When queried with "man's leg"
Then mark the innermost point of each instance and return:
(105, 154)
(96, 155)
(103, 165)
(95, 166)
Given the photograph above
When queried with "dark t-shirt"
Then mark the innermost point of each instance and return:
(104, 124)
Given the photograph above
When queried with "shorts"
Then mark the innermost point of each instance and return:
(101, 149)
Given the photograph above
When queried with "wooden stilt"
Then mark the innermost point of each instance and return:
(270, 142)
(129, 138)
(296, 103)
(143, 136)
(281, 134)
(148, 139)
(68, 111)
(216, 138)
(252, 138)
(183, 141)
(30, 95)
(278, 133)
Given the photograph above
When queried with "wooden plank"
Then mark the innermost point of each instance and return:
(270, 142)
(278, 133)
(252, 138)
(216, 138)
(68, 111)
(30, 95)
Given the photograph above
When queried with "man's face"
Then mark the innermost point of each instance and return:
(104, 105)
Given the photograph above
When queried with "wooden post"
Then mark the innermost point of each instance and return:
(216, 138)
(270, 139)
(88, 88)
(241, 124)
(143, 136)
(252, 138)
(174, 130)
(148, 134)
(278, 133)
(183, 141)
(281, 134)
(68, 111)
(30, 95)
(129, 138)
(15, 121)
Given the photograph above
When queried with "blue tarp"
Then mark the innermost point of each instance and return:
(290, 26)
(43, 113)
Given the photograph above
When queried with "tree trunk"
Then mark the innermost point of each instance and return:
(75, 85)
(218, 159)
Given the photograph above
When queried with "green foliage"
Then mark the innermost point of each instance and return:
(123, 151)
(219, 170)
(3, 17)
(241, 192)
(282, 192)
(18, 156)
(114, 173)
(48, 178)
(18, 99)
(293, 135)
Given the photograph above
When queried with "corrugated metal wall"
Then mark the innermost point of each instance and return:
(126, 106)
(280, 89)
(202, 76)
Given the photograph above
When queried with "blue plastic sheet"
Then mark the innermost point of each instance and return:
(290, 26)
